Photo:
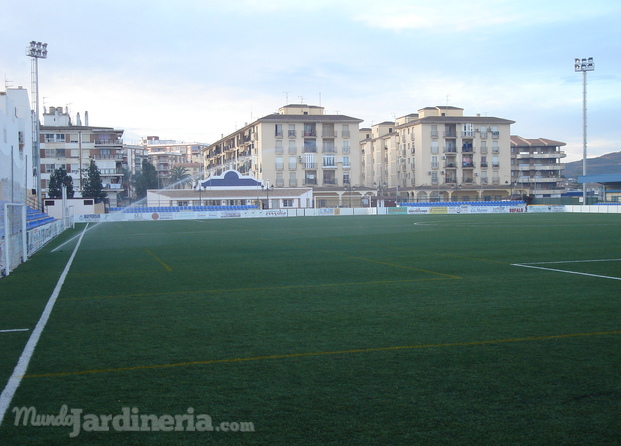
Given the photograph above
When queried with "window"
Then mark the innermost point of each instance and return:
(279, 164)
(434, 177)
(434, 131)
(309, 161)
(104, 154)
(292, 149)
(494, 146)
(309, 129)
(434, 146)
(346, 131)
(346, 161)
(278, 130)
(346, 178)
(310, 146)
(292, 163)
(280, 180)
(293, 181)
(287, 203)
(345, 146)
(434, 162)
(291, 131)
(495, 162)
(328, 161)
(483, 147)
(483, 131)
(329, 177)
(328, 146)
(310, 177)
(50, 153)
(484, 161)
(279, 149)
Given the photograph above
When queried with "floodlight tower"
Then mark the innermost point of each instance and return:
(584, 65)
(36, 50)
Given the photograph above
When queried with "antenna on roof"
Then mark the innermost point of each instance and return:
(286, 97)
(447, 98)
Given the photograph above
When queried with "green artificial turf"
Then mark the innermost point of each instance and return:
(328, 330)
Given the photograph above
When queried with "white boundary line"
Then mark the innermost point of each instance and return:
(523, 265)
(572, 261)
(22, 364)
(15, 329)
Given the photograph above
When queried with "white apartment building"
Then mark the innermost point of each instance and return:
(438, 154)
(16, 174)
(73, 146)
(537, 166)
(296, 147)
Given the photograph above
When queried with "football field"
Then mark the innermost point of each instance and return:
(432, 329)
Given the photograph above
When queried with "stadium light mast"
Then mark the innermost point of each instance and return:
(36, 51)
(584, 65)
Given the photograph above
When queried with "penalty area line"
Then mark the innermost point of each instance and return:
(22, 364)
(565, 271)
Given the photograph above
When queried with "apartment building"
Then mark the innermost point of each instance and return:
(73, 146)
(438, 154)
(298, 146)
(16, 154)
(166, 154)
(537, 166)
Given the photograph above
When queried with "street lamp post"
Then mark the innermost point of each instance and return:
(584, 65)
(36, 50)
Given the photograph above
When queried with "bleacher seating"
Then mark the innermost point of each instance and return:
(36, 218)
(160, 209)
(464, 203)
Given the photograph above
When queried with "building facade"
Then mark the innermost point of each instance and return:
(438, 154)
(167, 154)
(16, 174)
(63, 144)
(299, 146)
(537, 166)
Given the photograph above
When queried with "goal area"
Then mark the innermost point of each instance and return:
(13, 237)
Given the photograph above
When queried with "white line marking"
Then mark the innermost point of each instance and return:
(73, 238)
(15, 329)
(572, 261)
(566, 272)
(22, 364)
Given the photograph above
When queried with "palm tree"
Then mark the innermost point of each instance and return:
(179, 177)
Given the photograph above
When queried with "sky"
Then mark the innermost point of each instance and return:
(194, 70)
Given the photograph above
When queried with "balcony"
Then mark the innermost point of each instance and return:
(108, 142)
(467, 134)
(541, 155)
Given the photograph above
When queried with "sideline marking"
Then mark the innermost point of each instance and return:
(337, 352)
(22, 364)
(75, 237)
(15, 329)
(168, 268)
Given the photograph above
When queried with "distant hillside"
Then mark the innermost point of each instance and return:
(609, 163)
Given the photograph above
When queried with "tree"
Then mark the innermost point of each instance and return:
(57, 179)
(147, 179)
(92, 187)
(179, 177)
